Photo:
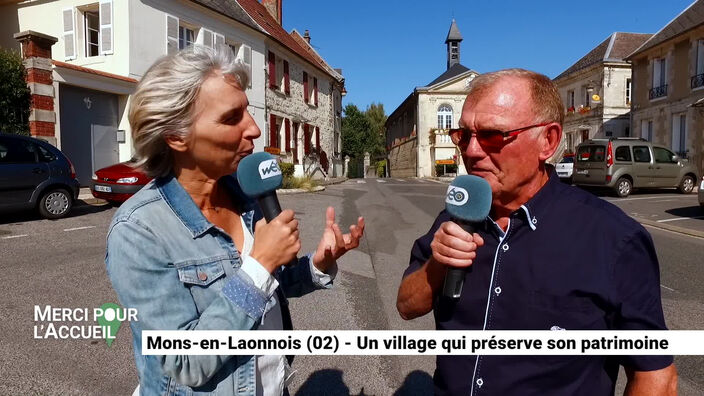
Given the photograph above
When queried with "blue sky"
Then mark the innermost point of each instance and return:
(386, 48)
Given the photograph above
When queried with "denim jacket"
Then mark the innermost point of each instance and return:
(181, 272)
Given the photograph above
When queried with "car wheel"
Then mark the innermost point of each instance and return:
(623, 187)
(55, 204)
(686, 185)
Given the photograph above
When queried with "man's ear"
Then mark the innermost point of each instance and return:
(176, 142)
(550, 140)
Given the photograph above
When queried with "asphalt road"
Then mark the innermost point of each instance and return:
(60, 263)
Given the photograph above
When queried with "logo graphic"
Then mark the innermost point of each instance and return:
(457, 196)
(269, 169)
(109, 320)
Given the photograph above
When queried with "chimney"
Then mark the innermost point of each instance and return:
(306, 35)
(274, 8)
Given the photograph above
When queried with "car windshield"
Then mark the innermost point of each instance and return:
(591, 154)
(567, 160)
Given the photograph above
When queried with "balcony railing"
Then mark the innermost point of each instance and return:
(697, 81)
(658, 92)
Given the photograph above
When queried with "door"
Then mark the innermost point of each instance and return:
(104, 146)
(20, 171)
(642, 167)
(666, 171)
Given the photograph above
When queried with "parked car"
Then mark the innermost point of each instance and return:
(564, 168)
(701, 193)
(623, 164)
(116, 183)
(35, 174)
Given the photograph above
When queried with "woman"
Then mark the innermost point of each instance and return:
(189, 250)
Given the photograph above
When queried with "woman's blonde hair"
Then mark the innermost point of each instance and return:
(163, 103)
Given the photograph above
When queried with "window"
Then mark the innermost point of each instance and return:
(659, 84)
(91, 21)
(570, 100)
(186, 37)
(679, 134)
(444, 116)
(591, 154)
(663, 156)
(272, 71)
(641, 154)
(17, 151)
(243, 53)
(587, 97)
(315, 91)
(700, 57)
(646, 130)
(305, 90)
(628, 91)
(623, 153)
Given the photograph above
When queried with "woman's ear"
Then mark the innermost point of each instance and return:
(176, 142)
(550, 140)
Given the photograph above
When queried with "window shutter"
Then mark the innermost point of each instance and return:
(273, 133)
(315, 91)
(295, 143)
(306, 139)
(287, 124)
(69, 17)
(206, 38)
(272, 70)
(305, 88)
(287, 79)
(106, 37)
(219, 39)
(171, 34)
(317, 140)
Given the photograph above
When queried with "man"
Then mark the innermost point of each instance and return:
(549, 256)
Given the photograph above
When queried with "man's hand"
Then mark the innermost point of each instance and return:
(454, 247)
(661, 382)
(334, 244)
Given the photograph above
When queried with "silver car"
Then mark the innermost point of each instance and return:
(623, 164)
(701, 193)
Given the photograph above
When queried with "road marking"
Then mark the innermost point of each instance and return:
(664, 200)
(665, 287)
(14, 236)
(680, 234)
(680, 218)
(636, 199)
(380, 181)
(400, 180)
(78, 228)
(361, 182)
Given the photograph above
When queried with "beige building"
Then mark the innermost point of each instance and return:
(668, 86)
(596, 91)
(416, 132)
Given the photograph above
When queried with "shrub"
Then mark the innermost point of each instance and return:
(381, 168)
(14, 94)
(305, 183)
(287, 169)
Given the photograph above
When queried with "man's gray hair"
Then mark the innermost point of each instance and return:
(544, 95)
(164, 101)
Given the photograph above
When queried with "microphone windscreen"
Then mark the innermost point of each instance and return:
(258, 174)
(468, 198)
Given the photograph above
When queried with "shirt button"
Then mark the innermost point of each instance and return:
(480, 382)
(203, 276)
(534, 221)
(497, 290)
(505, 247)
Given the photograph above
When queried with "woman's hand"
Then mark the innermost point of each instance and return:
(276, 243)
(334, 244)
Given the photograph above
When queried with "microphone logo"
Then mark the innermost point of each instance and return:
(269, 168)
(457, 196)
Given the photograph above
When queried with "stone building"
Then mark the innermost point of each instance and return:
(416, 131)
(303, 97)
(668, 86)
(597, 91)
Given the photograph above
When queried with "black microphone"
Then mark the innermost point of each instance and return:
(259, 176)
(468, 201)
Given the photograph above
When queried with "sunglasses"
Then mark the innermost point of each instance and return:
(486, 138)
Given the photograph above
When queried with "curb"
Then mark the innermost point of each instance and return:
(667, 227)
(299, 190)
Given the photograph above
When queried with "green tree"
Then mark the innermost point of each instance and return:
(355, 131)
(376, 140)
(14, 94)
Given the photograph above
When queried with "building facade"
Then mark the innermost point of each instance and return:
(668, 86)
(597, 89)
(417, 140)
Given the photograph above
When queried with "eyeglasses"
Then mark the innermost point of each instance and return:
(486, 138)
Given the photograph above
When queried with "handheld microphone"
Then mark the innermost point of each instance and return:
(259, 176)
(468, 201)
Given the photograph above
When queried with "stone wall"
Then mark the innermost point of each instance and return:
(403, 159)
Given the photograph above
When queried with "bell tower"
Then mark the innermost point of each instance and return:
(453, 45)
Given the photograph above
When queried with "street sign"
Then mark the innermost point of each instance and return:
(445, 162)
(273, 150)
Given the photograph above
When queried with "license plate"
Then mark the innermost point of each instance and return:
(562, 173)
(583, 172)
(103, 189)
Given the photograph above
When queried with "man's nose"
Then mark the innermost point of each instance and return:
(252, 129)
(474, 149)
